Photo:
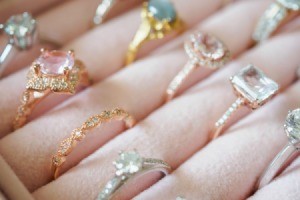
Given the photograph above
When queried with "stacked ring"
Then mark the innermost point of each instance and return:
(78, 134)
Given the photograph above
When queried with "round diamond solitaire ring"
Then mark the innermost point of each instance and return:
(21, 32)
(54, 71)
(273, 17)
(67, 145)
(128, 166)
(292, 128)
(203, 50)
(158, 19)
(253, 89)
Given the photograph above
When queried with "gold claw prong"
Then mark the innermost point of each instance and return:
(37, 69)
(66, 71)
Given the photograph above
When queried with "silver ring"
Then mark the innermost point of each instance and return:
(102, 11)
(292, 128)
(21, 32)
(131, 165)
(273, 18)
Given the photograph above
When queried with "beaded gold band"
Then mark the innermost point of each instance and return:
(67, 145)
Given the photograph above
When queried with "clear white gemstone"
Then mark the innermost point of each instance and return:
(290, 4)
(128, 163)
(254, 85)
(292, 124)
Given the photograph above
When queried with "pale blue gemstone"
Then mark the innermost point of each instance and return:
(162, 10)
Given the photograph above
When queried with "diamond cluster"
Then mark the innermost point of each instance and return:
(206, 50)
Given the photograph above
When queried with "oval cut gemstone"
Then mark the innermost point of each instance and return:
(208, 46)
(54, 62)
(292, 124)
(162, 10)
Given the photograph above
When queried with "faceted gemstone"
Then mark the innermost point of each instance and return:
(54, 62)
(208, 46)
(129, 163)
(162, 10)
(254, 85)
(20, 25)
(21, 29)
(291, 4)
(292, 124)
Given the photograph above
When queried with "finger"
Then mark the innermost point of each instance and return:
(75, 18)
(96, 54)
(188, 136)
(228, 168)
(120, 90)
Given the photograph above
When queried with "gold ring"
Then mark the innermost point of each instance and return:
(158, 19)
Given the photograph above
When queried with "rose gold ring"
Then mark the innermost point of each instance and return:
(203, 50)
(54, 71)
(67, 145)
(253, 89)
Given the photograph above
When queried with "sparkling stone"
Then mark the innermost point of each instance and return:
(21, 30)
(54, 62)
(128, 163)
(291, 4)
(254, 85)
(20, 25)
(292, 124)
(162, 10)
(208, 46)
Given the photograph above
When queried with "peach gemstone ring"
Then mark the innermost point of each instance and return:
(203, 50)
(67, 145)
(54, 71)
(253, 89)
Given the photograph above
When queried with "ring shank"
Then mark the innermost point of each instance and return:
(113, 186)
(5, 57)
(276, 165)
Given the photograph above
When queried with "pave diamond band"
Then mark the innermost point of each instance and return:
(253, 89)
(273, 17)
(102, 11)
(131, 165)
(203, 50)
(292, 128)
(77, 135)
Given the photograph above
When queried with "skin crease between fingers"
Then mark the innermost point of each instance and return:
(152, 136)
(96, 54)
(60, 25)
(125, 90)
(228, 167)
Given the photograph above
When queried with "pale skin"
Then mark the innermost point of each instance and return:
(177, 132)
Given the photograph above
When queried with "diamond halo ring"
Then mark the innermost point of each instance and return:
(203, 50)
(292, 129)
(253, 89)
(273, 17)
(128, 166)
(54, 71)
(21, 32)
